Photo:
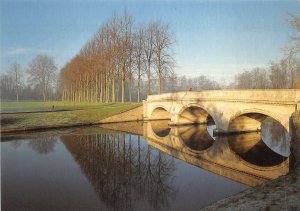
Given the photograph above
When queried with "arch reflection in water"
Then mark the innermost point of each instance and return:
(196, 137)
(228, 156)
(268, 148)
(161, 128)
(252, 149)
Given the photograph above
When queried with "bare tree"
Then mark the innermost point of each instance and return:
(162, 43)
(149, 51)
(41, 72)
(139, 57)
(16, 75)
(295, 49)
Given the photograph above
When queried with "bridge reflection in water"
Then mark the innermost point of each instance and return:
(249, 158)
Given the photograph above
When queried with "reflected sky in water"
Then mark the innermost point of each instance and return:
(99, 169)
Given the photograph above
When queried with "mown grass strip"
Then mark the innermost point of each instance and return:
(24, 121)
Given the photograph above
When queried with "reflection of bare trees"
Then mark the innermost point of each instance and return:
(122, 170)
(43, 145)
(16, 144)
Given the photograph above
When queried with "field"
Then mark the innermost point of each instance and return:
(55, 114)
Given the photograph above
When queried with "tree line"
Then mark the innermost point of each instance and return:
(118, 55)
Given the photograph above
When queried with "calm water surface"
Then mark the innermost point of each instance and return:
(183, 168)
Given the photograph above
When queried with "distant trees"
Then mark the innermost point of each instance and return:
(111, 66)
(12, 83)
(40, 83)
(198, 83)
(276, 76)
(254, 79)
(41, 73)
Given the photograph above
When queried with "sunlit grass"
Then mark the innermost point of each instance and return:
(46, 106)
(89, 113)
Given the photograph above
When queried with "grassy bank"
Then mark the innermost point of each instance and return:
(62, 115)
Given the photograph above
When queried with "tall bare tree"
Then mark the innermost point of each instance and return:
(149, 51)
(139, 57)
(162, 45)
(17, 79)
(41, 72)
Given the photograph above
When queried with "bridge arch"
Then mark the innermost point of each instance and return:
(160, 113)
(251, 119)
(195, 114)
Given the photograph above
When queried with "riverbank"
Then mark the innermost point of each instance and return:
(60, 117)
(280, 194)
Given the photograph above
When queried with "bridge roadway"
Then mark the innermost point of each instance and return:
(232, 110)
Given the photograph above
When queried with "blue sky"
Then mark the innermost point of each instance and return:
(215, 38)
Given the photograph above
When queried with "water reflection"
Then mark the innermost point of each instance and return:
(93, 168)
(161, 128)
(251, 148)
(276, 137)
(245, 153)
(123, 171)
(196, 137)
(43, 145)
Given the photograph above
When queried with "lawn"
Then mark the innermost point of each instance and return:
(64, 114)
(44, 106)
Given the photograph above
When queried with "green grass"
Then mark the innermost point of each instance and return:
(44, 106)
(89, 113)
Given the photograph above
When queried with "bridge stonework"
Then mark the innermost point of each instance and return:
(231, 110)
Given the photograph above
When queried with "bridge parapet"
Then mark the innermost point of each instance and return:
(281, 96)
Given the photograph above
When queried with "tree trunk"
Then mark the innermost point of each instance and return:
(123, 83)
(139, 85)
(148, 88)
(113, 98)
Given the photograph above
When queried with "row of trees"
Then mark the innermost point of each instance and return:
(36, 82)
(117, 56)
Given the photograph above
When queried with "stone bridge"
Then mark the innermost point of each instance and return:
(231, 110)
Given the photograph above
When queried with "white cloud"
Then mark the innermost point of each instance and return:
(19, 51)
(15, 51)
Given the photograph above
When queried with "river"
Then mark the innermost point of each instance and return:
(136, 166)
